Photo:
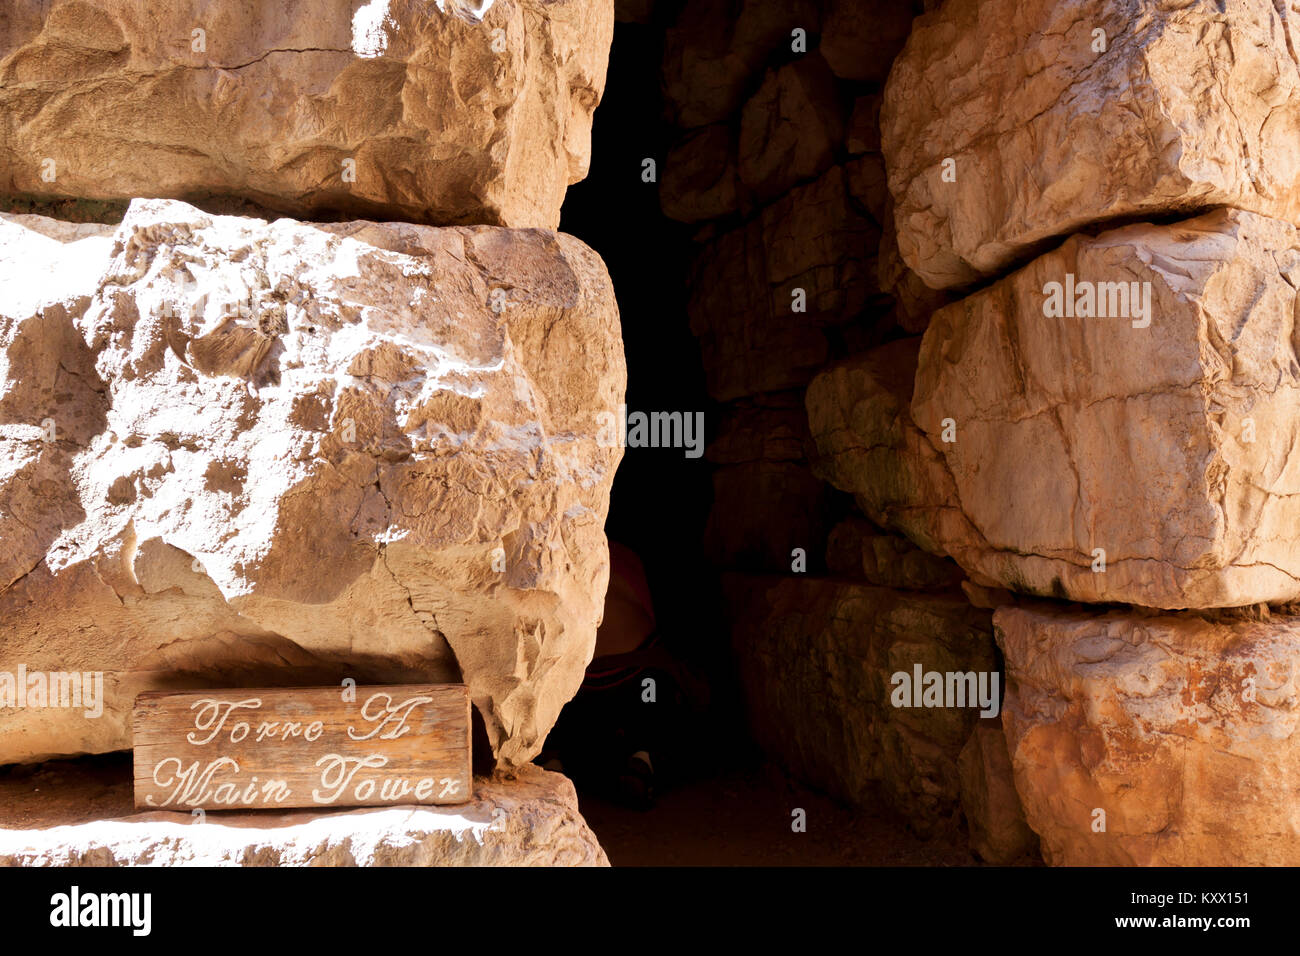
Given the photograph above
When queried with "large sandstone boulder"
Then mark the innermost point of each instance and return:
(1154, 740)
(762, 450)
(715, 48)
(764, 295)
(817, 657)
(1058, 115)
(860, 40)
(1162, 443)
(862, 132)
(790, 128)
(531, 820)
(994, 816)
(860, 418)
(392, 109)
(770, 427)
(235, 452)
(700, 180)
(914, 301)
(857, 548)
(796, 510)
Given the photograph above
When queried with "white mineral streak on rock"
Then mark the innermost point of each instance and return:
(271, 467)
(532, 820)
(369, 36)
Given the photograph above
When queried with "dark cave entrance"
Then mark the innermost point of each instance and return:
(695, 522)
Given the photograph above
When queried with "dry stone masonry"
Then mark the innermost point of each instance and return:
(1111, 420)
(807, 318)
(1154, 739)
(1040, 308)
(387, 109)
(997, 306)
(1153, 419)
(231, 401)
(240, 451)
(1008, 125)
(818, 656)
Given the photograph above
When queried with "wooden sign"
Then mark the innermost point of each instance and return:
(302, 747)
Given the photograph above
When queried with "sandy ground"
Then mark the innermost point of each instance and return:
(65, 791)
(743, 818)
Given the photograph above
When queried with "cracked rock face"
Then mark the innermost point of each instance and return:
(390, 109)
(867, 444)
(1180, 730)
(817, 657)
(1058, 115)
(806, 247)
(857, 548)
(713, 50)
(998, 831)
(860, 40)
(761, 452)
(790, 128)
(700, 178)
(240, 453)
(1169, 447)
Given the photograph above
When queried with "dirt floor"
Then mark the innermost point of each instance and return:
(65, 792)
(743, 818)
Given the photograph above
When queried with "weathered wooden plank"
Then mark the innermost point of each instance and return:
(303, 747)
